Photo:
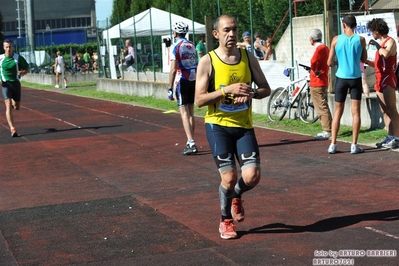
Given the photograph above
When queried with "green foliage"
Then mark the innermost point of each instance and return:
(266, 14)
(120, 11)
(66, 48)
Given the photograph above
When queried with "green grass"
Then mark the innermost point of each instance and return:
(88, 89)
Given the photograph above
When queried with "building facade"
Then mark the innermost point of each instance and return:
(54, 21)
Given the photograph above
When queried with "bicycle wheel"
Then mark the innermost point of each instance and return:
(277, 105)
(68, 71)
(307, 112)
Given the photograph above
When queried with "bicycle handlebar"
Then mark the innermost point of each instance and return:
(305, 67)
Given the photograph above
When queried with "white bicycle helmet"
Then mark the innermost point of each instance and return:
(180, 27)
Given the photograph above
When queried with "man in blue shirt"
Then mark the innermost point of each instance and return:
(349, 49)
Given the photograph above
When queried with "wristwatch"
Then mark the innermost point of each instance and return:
(256, 93)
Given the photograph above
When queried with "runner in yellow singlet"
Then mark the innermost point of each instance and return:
(224, 78)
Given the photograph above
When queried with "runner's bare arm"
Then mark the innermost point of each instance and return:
(330, 60)
(364, 51)
(389, 49)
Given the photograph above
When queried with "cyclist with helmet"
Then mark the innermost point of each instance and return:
(182, 76)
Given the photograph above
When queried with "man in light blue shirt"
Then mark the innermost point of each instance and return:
(349, 49)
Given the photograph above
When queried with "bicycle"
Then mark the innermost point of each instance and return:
(69, 70)
(295, 95)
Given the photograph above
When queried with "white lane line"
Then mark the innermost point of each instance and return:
(103, 112)
(66, 122)
(381, 232)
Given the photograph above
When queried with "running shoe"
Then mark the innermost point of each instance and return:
(190, 149)
(355, 149)
(332, 149)
(227, 229)
(56, 86)
(237, 210)
(392, 143)
(385, 141)
(14, 132)
(323, 135)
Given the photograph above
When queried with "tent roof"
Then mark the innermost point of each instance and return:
(140, 25)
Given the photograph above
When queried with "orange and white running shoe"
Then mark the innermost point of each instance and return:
(14, 132)
(227, 229)
(237, 210)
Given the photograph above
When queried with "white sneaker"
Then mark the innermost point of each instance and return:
(355, 149)
(56, 86)
(332, 149)
(323, 135)
(384, 142)
(392, 143)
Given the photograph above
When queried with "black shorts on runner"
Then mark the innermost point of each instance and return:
(11, 90)
(231, 143)
(343, 85)
(185, 92)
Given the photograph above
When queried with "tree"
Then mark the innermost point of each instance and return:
(120, 11)
(266, 14)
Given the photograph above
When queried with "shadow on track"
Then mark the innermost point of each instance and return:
(325, 225)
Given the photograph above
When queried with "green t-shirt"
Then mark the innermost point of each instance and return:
(8, 69)
(200, 48)
(86, 57)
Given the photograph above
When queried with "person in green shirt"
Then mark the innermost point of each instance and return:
(86, 57)
(12, 68)
(201, 48)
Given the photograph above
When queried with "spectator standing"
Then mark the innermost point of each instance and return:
(247, 42)
(223, 85)
(260, 48)
(95, 61)
(269, 52)
(12, 67)
(350, 49)
(128, 58)
(59, 69)
(182, 78)
(319, 83)
(201, 48)
(86, 58)
(385, 65)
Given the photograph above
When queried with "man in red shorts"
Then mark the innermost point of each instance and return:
(385, 65)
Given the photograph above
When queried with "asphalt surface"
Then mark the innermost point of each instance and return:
(93, 182)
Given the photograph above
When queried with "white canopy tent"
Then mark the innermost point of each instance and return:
(151, 21)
